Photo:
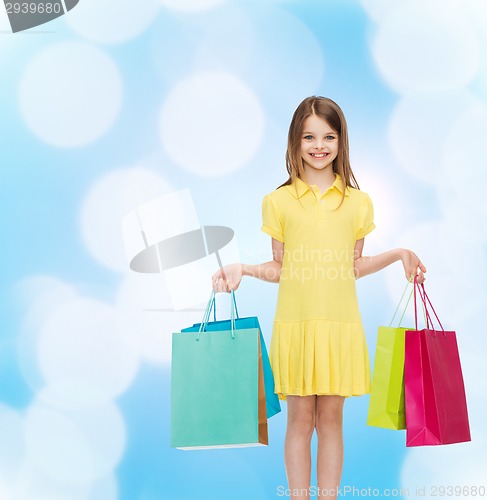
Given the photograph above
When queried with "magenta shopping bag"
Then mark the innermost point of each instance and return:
(436, 407)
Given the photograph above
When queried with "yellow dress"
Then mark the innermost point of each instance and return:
(318, 343)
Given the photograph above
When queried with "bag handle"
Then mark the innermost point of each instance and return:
(415, 305)
(206, 315)
(427, 318)
(234, 302)
(399, 305)
(207, 312)
(425, 300)
(410, 281)
(210, 305)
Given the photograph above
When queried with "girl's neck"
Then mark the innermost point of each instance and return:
(321, 178)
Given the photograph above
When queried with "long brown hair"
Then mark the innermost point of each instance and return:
(329, 111)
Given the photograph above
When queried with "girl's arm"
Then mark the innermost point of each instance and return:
(364, 265)
(229, 277)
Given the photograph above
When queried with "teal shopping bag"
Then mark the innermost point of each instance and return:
(217, 388)
(272, 401)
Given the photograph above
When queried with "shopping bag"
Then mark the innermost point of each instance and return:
(436, 407)
(272, 401)
(217, 388)
(386, 403)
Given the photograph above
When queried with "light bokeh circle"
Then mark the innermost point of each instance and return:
(476, 13)
(441, 248)
(203, 43)
(426, 47)
(37, 296)
(287, 63)
(70, 94)
(211, 124)
(105, 488)
(419, 132)
(145, 302)
(87, 340)
(108, 201)
(12, 444)
(5, 491)
(74, 447)
(461, 190)
(31, 482)
(383, 192)
(112, 21)
(73, 395)
(377, 10)
(434, 466)
(189, 6)
(463, 207)
(464, 154)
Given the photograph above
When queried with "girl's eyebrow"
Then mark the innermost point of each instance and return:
(327, 133)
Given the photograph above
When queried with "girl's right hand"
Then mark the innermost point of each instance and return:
(412, 265)
(227, 278)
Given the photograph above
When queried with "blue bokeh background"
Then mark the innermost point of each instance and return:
(411, 79)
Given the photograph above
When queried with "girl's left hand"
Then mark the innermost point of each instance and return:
(412, 265)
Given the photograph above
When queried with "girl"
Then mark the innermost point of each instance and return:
(317, 221)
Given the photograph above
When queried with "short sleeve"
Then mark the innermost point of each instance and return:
(271, 222)
(365, 219)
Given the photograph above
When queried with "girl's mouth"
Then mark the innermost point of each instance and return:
(319, 155)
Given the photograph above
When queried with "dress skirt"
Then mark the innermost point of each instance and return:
(319, 357)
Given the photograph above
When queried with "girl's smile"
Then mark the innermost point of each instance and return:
(319, 143)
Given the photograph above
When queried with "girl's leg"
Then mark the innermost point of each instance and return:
(297, 450)
(329, 418)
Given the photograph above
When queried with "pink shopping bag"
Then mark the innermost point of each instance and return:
(436, 407)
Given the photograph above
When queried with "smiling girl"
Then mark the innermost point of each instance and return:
(318, 349)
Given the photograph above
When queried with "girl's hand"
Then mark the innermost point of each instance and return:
(227, 278)
(412, 265)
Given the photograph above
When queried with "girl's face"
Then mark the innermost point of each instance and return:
(319, 143)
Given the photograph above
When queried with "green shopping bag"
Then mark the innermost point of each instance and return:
(386, 404)
(217, 388)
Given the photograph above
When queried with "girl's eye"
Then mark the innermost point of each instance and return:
(329, 137)
(308, 137)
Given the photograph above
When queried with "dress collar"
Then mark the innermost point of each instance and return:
(300, 187)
